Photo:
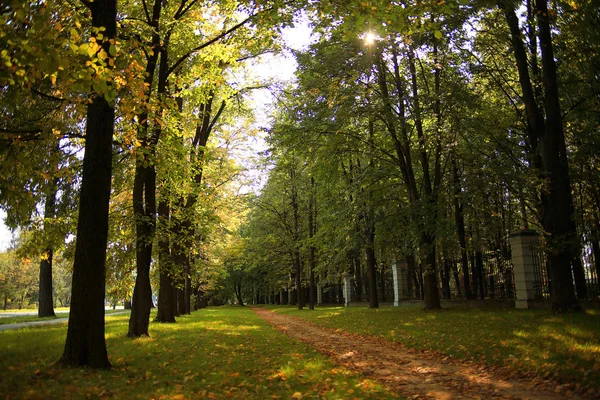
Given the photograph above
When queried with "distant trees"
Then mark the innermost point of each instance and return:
(435, 139)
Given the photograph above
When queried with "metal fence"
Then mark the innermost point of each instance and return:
(591, 271)
(541, 282)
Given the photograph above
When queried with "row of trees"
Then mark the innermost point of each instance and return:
(427, 133)
(19, 281)
(429, 139)
(122, 126)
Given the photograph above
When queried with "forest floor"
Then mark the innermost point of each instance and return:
(415, 374)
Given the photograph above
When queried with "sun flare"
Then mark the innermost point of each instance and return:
(370, 38)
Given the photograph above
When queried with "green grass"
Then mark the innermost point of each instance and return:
(565, 347)
(33, 318)
(29, 318)
(225, 352)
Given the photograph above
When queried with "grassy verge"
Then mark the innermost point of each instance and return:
(29, 318)
(564, 347)
(225, 352)
(33, 318)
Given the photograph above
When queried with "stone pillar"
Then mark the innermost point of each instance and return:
(319, 293)
(522, 244)
(400, 280)
(347, 289)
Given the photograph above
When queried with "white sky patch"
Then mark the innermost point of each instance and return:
(279, 70)
(5, 234)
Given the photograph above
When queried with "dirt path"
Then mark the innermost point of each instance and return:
(411, 373)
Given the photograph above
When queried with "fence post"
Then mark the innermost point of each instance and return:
(522, 245)
(400, 277)
(347, 289)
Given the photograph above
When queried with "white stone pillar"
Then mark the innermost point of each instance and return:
(347, 289)
(319, 293)
(400, 279)
(522, 244)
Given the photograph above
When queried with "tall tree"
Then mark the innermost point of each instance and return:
(85, 343)
(548, 132)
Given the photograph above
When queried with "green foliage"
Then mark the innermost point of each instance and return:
(18, 279)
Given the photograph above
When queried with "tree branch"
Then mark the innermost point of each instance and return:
(211, 41)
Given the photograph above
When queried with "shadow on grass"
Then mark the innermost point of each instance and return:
(215, 353)
(565, 347)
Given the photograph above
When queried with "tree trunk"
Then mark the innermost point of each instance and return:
(460, 227)
(181, 297)
(430, 284)
(312, 216)
(46, 301)
(188, 288)
(165, 292)
(372, 270)
(199, 300)
(85, 343)
(238, 294)
(144, 199)
(296, 237)
(558, 210)
(446, 279)
(358, 277)
(479, 272)
(456, 278)
(560, 217)
(175, 298)
(46, 306)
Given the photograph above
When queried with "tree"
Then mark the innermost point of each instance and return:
(85, 343)
(547, 134)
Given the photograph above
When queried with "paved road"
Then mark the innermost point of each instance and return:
(20, 325)
(26, 313)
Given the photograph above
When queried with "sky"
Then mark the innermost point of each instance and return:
(280, 67)
(5, 235)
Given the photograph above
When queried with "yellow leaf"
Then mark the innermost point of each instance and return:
(102, 54)
(297, 395)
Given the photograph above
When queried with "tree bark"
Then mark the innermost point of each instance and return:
(460, 227)
(312, 216)
(46, 305)
(479, 272)
(144, 189)
(446, 278)
(238, 294)
(558, 210)
(563, 240)
(85, 343)
(296, 238)
(165, 292)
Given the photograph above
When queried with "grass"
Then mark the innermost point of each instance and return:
(33, 318)
(225, 352)
(565, 347)
(29, 318)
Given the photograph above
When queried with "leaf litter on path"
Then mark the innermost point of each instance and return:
(412, 373)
